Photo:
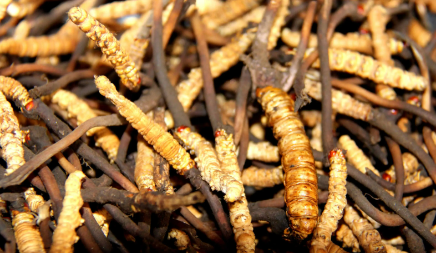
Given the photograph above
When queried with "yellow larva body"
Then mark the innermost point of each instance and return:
(14, 90)
(3, 6)
(254, 16)
(23, 8)
(103, 218)
(346, 236)
(34, 201)
(418, 33)
(79, 109)
(209, 166)
(263, 151)
(410, 164)
(240, 217)
(301, 183)
(378, 17)
(64, 235)
(120, 9)
(109, 45)
(385, 92)
(22, 30)
(220, 61)
(27, 233)
(355, 155)
(154, 134)
(181, 239)
(258, 177)
(279, 22)
(144, 166)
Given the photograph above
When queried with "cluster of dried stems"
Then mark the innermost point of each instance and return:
(292, 126)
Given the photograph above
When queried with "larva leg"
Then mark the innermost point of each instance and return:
(144, 166)
(257, 177)
(355, 155)
(263, 151)
(27, 234)
(301, 183)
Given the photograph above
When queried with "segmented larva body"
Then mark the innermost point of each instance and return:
(301, 183)
(64, 235)
(220, 61)
(144, 166)
(279, 22)
(229, 11)
(120, 9)
(22, 30)
(14, 90)
(3, 6)
(34, 201)
(378, 17)
(257, 177)
(240, 217)
(206, 6)
(103, 218)
(367, 67)
(355, 155)
(310, 118)
(109, 45)
(48, 60)
(346, 236)
(79, 109)
(385, 92)
(254, 16)
(418, 33)
(181, 239)
(410, 164)
(263, 151)
(351, 41)
(209, 166)
(336, 202)
(154, 134)
(341, 102)
(23, 8)
(10, 137)
(369, 238)
(27, 234)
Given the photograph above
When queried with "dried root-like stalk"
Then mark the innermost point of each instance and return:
(64, 235)
(144, 166)
(254, 16)
(103, 218)
(263, 151)
(345, 235)
(10, 137)
(279, 21)
(355, 155)
(79, 109)
(34, 201)
(154, 134)
(240, 217)
(336, 202)
(27, 234)
(14, 90)
(209, 166)
(257, 177)
(23, 8)
(301, 183)
(181, 239)
(109, 45)
(229, 11)
(369, 238)
(220, 61)
(120, 9)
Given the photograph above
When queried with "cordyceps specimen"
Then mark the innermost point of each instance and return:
(26, 233)
(14, 90)
(109, 45)
(301, 196)
(154, 134)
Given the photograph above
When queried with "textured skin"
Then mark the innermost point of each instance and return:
(209, 166)
(410, 164)
(109, 45)
(27, 234)
(14, 90)
(257, 177)
(346, 236)
(144, 166)
(154, 134)
(263, 151)
(220, 61)
(3, 5)
(64, 235)
(23, 8)
(385, 92)
(301, 183)
(279, 22)
(34, 201)
(378, 17)
(254, 16)
(240, 217)
(181, 239)
(355, 155)
(120, 9)
(418, 33)
(103, 218)
(77, 108)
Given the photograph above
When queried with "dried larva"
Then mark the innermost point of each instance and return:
(385, 92)
(103, 218)
(79, 109)
(64, 235)
(27, 233)
(220, 61)
(395, 241)
(336, 202)
(10, 137)
(22, 30)
(23, 8)
(240, 217)
(109, 45)
(369, 238)
(14, 90)
(301, 183)
(418, 33)
(355, 155)
(378, 17)
(257, 177)
(154, 134)
(209, 166)
(48, 60)
(310, 118)
(278, 23)
(120, 9)
(229, 11)
(254, 16)
(181, 239)
(144, 166)
(346, 236)
(263, 151)
(392, 249)
(410, 164)
(34, 201)
(3, 6)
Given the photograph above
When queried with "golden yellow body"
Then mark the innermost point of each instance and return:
(144, 166)
(355, 155)
(120, 9)
(258, 177)
(34, 201)
(14, 90)
(254, 16)
(181, 239)
(346, 236)
(263, 151)
(27, 234)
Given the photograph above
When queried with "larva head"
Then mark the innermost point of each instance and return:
(77, 15)
(386, 177)
(30, 105)
(220, 132)
(181, 129)
(104, 85)
(414, 100)
(336, 153)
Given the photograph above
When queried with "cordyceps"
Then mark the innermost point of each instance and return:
(14, 90)
(109, 45)
(144, 166)
(301, 183)
(154, 134)
(27, 234)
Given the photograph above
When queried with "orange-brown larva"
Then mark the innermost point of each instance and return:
(27, 234)
(258, 177)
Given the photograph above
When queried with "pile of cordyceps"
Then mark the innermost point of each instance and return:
(211, 126)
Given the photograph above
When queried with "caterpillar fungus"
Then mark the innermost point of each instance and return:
(23, 8)
(64, 235)
(336, 202)
(220, 61)
(181, 239)
(254, 16)
(3, 6)
(410, 164)
(229, 11)
(345, 235)
(418, 33)
(109, 45)
(10, 137)
(209, 166)
(366, 67)
(301, 183)
(103, 218)
(77, 108)
(22, 30)
(27, 234)
(34, 201)
(279, 21)
(144, 166)
(240, 217)
(257, 177)
(14, 90)
(120, 9)
(355, 155)
(263, 151)
(154, 134)
(378, 17)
